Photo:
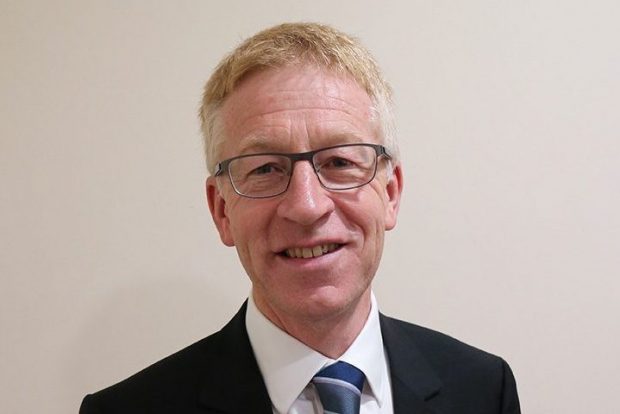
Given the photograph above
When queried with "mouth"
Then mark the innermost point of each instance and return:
(310, 252)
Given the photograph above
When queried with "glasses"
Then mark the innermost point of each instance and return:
(341, 167)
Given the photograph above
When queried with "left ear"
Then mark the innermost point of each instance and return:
(393, 190)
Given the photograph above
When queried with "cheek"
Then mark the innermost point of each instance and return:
(369, 223)
(374, 214)
(249, 227)
(373, 228)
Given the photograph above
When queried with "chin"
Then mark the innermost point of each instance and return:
(325, 302)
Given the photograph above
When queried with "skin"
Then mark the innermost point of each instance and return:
(323, 301)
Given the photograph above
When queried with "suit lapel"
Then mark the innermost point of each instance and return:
(414, 381)
(233, 384)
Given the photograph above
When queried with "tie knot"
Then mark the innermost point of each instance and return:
(340, 388)
(341, 372)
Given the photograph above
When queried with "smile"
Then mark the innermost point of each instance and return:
(309, 252)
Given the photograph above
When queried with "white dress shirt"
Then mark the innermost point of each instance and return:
(287, 365)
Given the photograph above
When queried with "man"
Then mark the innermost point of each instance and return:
(305, 179)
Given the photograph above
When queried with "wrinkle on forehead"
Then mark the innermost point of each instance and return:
(297, 103)
(258, 143)
(303, 86)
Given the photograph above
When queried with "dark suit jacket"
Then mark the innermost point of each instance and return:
(431, 373)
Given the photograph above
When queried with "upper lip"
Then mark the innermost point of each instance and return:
(308, 244)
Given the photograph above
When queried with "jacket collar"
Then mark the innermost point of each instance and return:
(414, 381)
(233, 383)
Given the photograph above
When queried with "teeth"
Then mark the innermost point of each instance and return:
(317, 251)
(308, 252)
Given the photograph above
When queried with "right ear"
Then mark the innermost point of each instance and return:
(217, 207)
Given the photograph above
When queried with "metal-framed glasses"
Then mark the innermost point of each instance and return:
(341, 167)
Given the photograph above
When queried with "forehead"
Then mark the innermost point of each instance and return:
(295, 108)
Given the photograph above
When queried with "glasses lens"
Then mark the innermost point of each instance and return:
(346, 167)
(260, 175)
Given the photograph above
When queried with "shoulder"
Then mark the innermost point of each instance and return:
(458, 374)
(174, 375)
(176, 379)
(436, 346)
(451, 359)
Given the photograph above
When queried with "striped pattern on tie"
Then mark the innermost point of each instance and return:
(340, 388)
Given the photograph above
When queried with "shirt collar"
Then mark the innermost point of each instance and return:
(287, 365)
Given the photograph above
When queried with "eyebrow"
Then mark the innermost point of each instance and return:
(260, 144)
(256, 143)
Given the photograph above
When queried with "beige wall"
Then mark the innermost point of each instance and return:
(509, 236)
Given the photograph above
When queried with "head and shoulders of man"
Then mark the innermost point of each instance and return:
(311, 252)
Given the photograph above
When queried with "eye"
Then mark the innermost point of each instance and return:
(338, 163)
(267, 169)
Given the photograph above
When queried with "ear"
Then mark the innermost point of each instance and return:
(217, 206)
(393, 190)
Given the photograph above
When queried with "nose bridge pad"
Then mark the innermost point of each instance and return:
(316, 169)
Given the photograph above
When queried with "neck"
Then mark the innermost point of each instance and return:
(331, 334)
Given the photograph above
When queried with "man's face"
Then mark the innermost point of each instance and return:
(298, 109)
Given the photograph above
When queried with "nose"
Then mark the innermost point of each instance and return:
(305, 201)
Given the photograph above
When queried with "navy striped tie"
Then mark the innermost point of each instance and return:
(340, 388)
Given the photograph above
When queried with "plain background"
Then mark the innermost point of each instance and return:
(508, 236)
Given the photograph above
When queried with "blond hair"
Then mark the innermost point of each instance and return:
(296, 43)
